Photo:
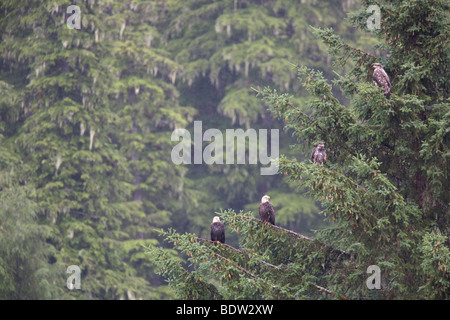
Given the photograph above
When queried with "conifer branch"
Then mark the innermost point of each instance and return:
(328, 36)
(340, 296)
(325, 132)
(320, 288)
(336, 172)
(221, 244)
(300, 236)
(236, 265)
(237, 250)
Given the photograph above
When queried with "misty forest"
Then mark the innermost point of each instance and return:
(115, 124)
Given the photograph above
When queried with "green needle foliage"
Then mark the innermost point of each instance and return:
(83, 109)
(384, 188)
(270, 263)
(86, 177)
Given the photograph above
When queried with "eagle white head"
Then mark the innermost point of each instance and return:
(265, 199)
(216, 219)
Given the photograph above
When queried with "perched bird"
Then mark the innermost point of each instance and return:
(266, 210)
(381, 79)
(217, 230)
(319, 154)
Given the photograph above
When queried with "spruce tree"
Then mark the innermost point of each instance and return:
(79, 108)
(145, 103)
(384, 188)
(224, 48)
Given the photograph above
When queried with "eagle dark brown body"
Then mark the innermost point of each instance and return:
(217, 230)
(266, 211)
(319, 154)
(381, 79)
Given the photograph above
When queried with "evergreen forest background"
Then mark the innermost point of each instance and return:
(86, 177)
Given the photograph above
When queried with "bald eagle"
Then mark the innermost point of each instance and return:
(381, 79)
(319, 154)
(217, 230)
(266, 210)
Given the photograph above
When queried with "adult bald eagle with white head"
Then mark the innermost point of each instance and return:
(217, 230)
(266, 210)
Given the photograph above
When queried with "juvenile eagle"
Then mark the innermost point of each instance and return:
(266, 210)
(319, 154)
(381, 79)
(217, 230)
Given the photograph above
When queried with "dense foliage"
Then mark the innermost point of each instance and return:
(86, 177)
(384, 188)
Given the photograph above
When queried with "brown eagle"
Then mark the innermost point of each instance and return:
(319, 154)
(266, 210)
(217, 230)
(381, 79)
